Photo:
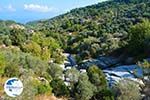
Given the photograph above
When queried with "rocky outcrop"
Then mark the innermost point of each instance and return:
(132, 72)
(114, 69)
(102, 62)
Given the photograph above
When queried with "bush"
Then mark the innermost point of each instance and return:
(7, 40)
(127, 90)
(55, 71)
(43, 88)
(47, 46)
(59, 88)
(35, 85)
(72, 74)
(32, 47)
(84, 89)
(58, 56)
(18, 36)
(97, 77)
(38, 66)
(12, 70)
(13, 63)
(104, 94)
(139, 37)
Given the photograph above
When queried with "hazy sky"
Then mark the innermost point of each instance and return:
(28, 10)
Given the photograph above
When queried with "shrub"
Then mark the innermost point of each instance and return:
(104, 94)
(139, 37)
(43, 88)
(18, 36)
(55, 71)
(59, 88)
(32, 47)
(97, 77)
(36, 64)
(72, 74)
(84, 89)
(7, 40)
(58, 56)
(12, 63)
(12, 70)
(127, 90)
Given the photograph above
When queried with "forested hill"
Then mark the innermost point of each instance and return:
(97, 29)
(108, 17)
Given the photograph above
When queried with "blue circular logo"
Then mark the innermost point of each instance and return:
(13, 87)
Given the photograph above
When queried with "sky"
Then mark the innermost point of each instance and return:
(29, 10)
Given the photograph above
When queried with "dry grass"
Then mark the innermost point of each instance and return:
(2, 82)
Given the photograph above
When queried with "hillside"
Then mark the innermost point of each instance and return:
(97, 29)
(116, 15)
(109, 17)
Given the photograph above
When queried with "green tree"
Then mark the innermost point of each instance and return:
(18, 36)
(105, 94)
(50, 48)
(72, 74)
(55, 71)
(32, 47)
(84, 89)
(58, 56)
(97, 77)
(45, 54)
(139, 36)
(59, 88)
(38, 66)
